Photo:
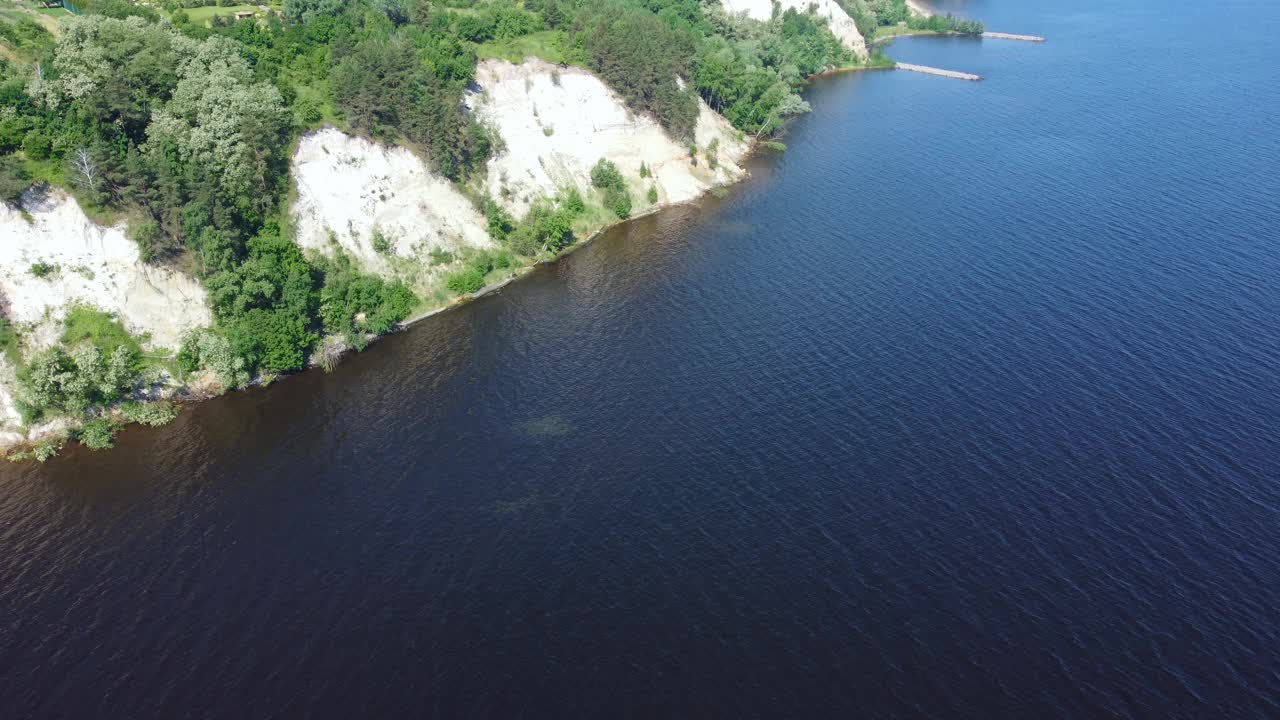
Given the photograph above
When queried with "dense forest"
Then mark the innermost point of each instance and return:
(180, 120)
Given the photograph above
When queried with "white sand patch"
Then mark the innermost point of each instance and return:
(918, 8)
(349, 186)
(97, 266)
(557, 123)
(842, 26)
(9, 417)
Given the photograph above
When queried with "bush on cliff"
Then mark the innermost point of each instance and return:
(606, 177)
(97, 434)
(351, 301)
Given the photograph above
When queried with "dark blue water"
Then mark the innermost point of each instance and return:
(965, 406)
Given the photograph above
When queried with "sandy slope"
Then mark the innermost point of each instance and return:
(98, 266)
(842, 26)
(349, 186)
(556, 123)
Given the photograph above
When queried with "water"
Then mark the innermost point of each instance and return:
(965, 406)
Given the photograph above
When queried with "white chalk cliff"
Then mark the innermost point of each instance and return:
(95, 266)
(556, 123)
(553, 124)
(349, 187)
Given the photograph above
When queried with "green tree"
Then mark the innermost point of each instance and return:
(98, 434)
(14, 179)
(222, 123)
(640, 56)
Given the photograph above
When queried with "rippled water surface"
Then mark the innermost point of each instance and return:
(965, 406)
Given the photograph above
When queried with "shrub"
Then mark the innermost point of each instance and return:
(206, 349)
(605, 175)
(619, 201)
(471, 277)
(308, 110)
(44, 270)
(275, 340)
(713, 161)
(522, 242)
(653, 194)
(347, 293)
(357, 341)
(550, 227)
(644, 170)
(573, 201)
(440, 256)
(945, 23)
(501, 224)
(466, 281)
(72, 382)
(47, 448)
(153, 414)
(28, 413)
(14, 179)
(97, 434)
(381, 244)
(153, 244)
(37, 145)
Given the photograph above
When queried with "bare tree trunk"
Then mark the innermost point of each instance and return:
(86, 170)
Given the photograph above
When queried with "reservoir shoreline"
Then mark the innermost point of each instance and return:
(971, 372)
(191, 393)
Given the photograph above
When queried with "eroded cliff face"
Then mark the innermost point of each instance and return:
(59, 258)
(842, 26)
(91, 265)
(553, 125)
(556, 123)
(380, 205)
(350, 188)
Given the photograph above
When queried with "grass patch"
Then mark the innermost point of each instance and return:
(478, 270)
(101, 329)
(153, 414)
(10, 343)
(546, 44)
(884, 33)
(201, 15)
(313, 108)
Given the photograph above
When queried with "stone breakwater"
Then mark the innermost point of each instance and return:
(937, 71)
(1012, 36)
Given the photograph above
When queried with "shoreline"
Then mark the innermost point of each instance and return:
(493, 288)
(188, 394)
(58, 430)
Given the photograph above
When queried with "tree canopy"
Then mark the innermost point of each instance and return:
(185, 126)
